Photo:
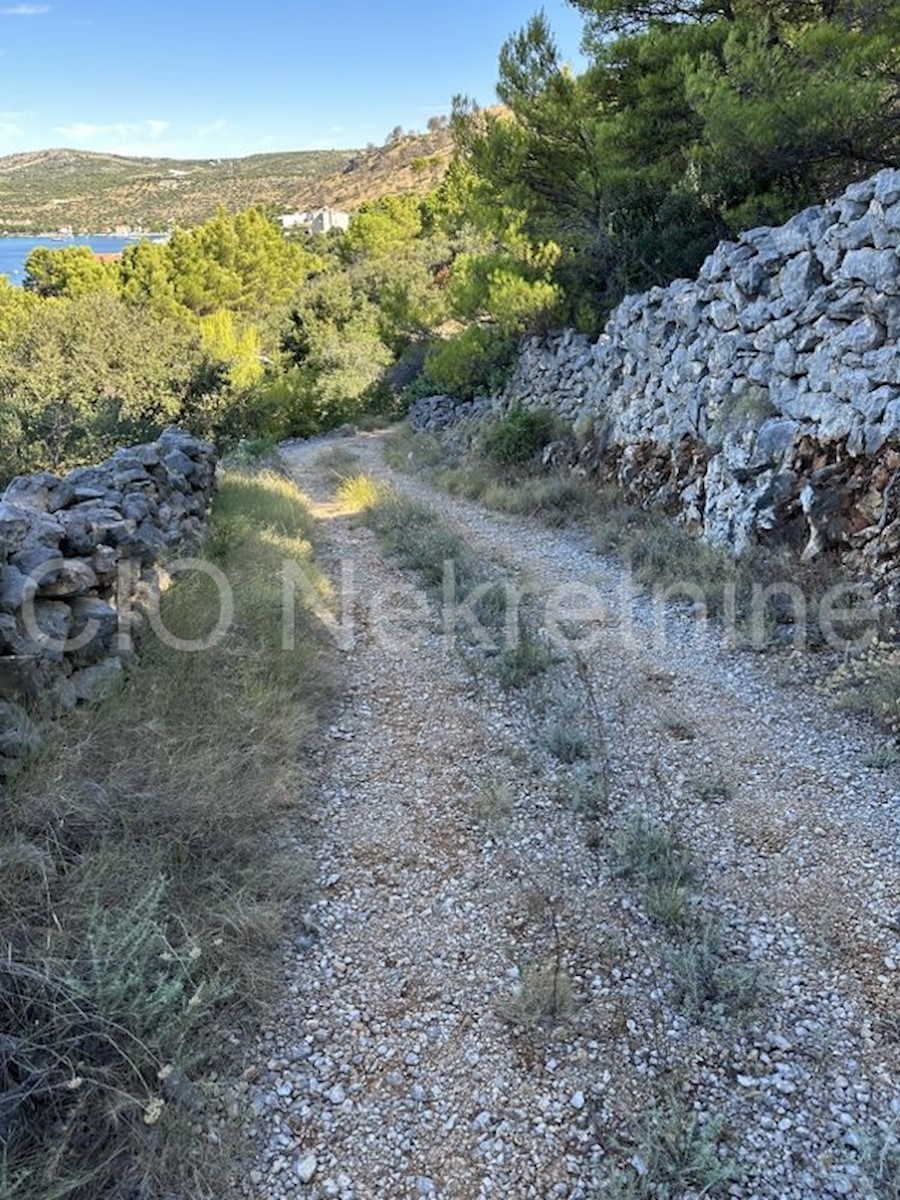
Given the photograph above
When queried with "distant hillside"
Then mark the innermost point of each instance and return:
(416, 164)
(96, 192)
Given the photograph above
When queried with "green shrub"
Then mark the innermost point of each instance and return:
(518, 437)
(709, 981)
(674, 1155)
(476, 362)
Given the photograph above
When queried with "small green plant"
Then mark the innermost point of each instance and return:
(651, 853)
(709, 981)
(588, 794)
(617, 525)
(655, 858)
(711, 788)
(518, 437)
(882, 757)
(667, 903)
(528, 658)
(132, 974)
(880, 1155)
(568, 743)
(551, 499)
(674, 1154)
(491, 608)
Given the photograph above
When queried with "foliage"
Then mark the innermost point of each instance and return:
(656, 858)
(73, 271)
(674, 1155)
(528, 658)
(84, 375)
(693, 119)
(789, 110)
(242, 263)
(16, 307)
(140, 894)
(519, 436)
(384, 227)
(358, 493)
(476, 362)
(230, 329)
(238, 350)
(710, 981)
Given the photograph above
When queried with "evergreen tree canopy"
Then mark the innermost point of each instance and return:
(694, 119)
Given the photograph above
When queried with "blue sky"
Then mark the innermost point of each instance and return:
(201, 80)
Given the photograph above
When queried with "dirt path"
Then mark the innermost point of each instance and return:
(453, 858)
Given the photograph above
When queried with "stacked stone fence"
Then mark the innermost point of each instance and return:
(760, 400)
(81, 555)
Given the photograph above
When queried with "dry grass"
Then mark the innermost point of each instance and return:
(493, 804)
(664, 558)
(143, 889)
(543, 994)
(358, 493)
(413, 535)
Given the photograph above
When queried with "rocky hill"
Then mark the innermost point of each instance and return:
(95, 192)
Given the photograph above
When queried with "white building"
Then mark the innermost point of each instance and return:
(319, 220)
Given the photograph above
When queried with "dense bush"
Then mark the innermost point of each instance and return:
(519, 436)
(82, 376)
(230, 330)
(476, 362)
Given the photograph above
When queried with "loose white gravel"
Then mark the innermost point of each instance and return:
(388, 1071)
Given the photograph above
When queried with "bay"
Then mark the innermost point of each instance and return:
(15, 250)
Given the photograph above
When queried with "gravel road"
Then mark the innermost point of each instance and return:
(457, 864)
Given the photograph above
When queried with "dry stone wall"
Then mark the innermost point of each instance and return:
(79, 554)
(759, 400)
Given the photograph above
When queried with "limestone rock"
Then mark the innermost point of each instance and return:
(72, 548)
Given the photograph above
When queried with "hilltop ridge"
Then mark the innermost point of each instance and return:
(92, 191)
